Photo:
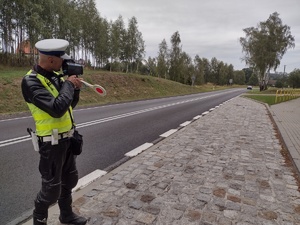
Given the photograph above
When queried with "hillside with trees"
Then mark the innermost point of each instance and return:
(99, 43)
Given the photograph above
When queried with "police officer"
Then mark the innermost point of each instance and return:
(51, 100)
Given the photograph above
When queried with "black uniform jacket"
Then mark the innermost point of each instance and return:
(34, 92)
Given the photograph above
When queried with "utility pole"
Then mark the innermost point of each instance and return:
(284, 70)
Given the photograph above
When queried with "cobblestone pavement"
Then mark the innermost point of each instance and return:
(225, 168)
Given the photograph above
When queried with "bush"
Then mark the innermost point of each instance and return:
(294, 78)
(279, 84)
(16, 60)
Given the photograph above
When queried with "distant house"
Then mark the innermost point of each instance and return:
(276, 76)
(272, 83)
(24, 49)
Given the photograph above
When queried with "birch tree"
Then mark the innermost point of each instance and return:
(265, 45)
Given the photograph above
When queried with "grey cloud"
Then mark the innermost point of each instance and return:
(207, 28)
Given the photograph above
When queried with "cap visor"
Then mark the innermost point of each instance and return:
(65, 56)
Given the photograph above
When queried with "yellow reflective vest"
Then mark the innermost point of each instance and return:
(43, 121)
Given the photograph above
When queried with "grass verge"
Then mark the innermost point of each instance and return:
(268, 96)
(120, 87)
(269, 99)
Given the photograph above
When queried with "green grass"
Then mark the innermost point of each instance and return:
(8, 72)
(269, 96)
(120, 87)
(270, 100)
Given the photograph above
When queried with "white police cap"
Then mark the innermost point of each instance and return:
(55, 47)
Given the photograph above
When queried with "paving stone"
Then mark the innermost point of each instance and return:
(145, 218)
(135, 204)
(231, 214)
(152, 209)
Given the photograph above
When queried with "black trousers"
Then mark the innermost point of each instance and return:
(59, 176)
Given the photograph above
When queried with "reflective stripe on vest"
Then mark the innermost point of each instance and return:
(43, 121)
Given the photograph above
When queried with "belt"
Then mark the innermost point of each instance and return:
(60, 136)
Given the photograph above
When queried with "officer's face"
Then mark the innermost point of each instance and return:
(56, 63)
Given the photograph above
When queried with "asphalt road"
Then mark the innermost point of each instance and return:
(109, 132)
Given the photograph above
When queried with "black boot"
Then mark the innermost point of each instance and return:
(37, 221)
(67, 216)
(40, 213)
(72, 219)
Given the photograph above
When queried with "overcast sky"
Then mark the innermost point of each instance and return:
(209, 28)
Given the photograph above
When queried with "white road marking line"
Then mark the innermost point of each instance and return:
(205, 113)
(18, 118)
(168, 133)
(15, 139)
(94, 122)
(212, 109)
(197, 117)
(86, 180)
(11, 141)
(185, 124)
(138, 150)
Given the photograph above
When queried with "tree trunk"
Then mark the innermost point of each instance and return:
(111, 60)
